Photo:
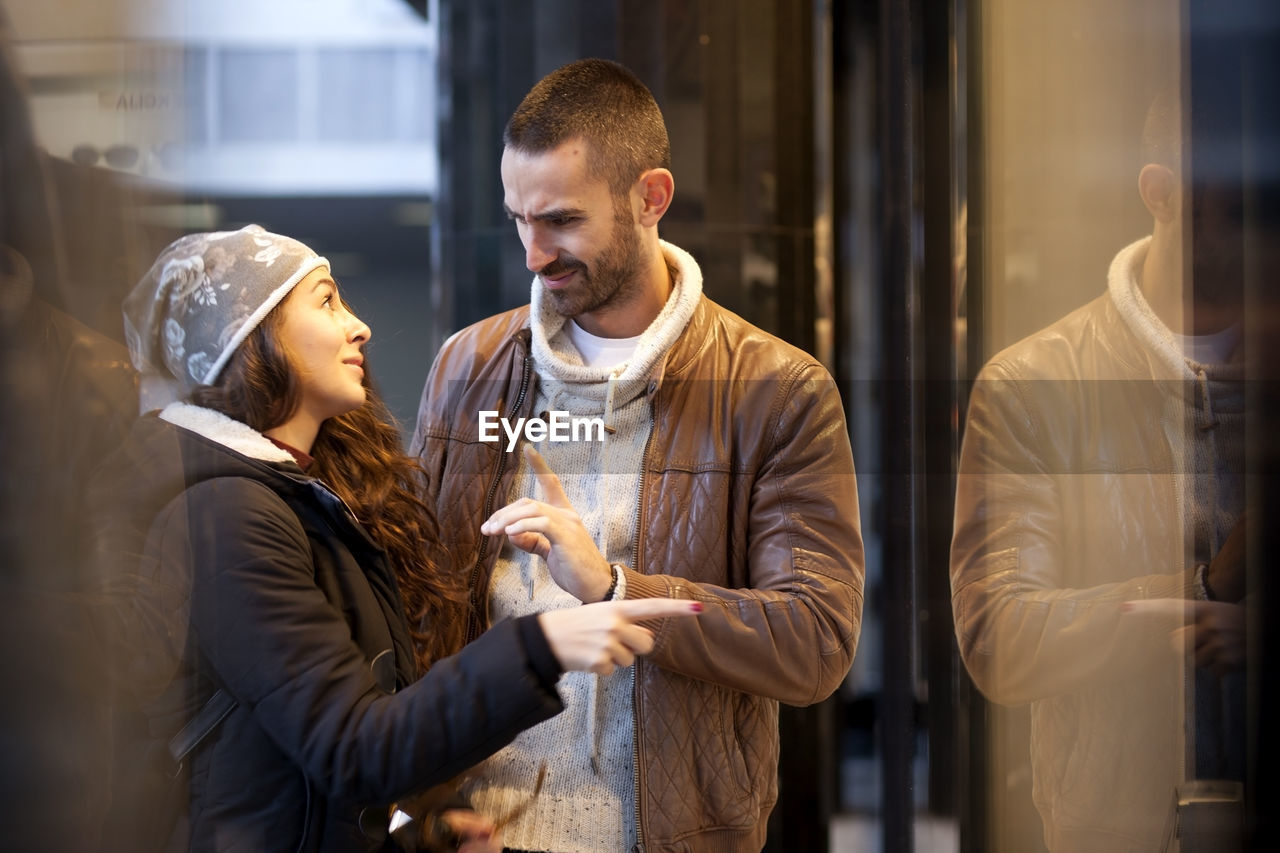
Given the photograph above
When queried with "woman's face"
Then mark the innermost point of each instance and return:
(324, 341)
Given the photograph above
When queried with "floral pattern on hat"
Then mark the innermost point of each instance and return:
(201, 298)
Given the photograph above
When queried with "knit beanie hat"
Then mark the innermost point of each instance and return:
(199, 301)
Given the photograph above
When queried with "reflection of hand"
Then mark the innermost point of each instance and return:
(554, 531)
(1216, 627)
(1226, 575)
(1218, 631)
(599, 637)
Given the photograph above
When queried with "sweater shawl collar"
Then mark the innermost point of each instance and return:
(557, 359)
(1132, 306)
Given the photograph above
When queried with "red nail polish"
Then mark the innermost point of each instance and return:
(696, 606)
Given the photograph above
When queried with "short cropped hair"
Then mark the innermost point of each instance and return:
(603, 103)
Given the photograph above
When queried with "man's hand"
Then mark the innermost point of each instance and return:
(554, 531)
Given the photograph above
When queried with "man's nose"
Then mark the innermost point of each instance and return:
(536, 253)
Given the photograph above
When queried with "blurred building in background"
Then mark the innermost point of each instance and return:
(315, 119)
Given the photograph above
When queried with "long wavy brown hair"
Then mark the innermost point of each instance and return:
(360, 456)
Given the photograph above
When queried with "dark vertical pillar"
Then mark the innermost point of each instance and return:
(974, 770)
(466, 227)
(491, 53)
(793, 78)
(1261, 272)
(941, 400)
(1233, 70)
(900, 418)
(1213, 222)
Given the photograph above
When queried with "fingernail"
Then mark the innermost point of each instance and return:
(695, 606)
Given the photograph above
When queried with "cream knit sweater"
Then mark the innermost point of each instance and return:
(587, 804)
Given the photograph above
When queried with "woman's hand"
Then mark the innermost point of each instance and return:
(600, 637)
(476, 833)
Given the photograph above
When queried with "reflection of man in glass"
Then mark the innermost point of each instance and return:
(1099, 488)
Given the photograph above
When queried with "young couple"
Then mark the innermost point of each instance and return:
(289, 551)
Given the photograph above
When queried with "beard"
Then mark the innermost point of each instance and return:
(608, 281)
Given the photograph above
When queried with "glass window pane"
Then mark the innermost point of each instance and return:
(258, 95)
(356, 95)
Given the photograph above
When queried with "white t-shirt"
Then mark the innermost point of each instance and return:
(600, 352)
(1209, 349)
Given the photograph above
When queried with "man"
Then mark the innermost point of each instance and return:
(715, 465)
(1099, 508)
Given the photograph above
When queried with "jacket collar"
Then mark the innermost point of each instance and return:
(230, 433)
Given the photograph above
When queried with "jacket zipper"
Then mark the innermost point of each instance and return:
(635, 704)
(473, 628)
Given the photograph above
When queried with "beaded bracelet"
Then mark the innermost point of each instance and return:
(613, 584)
(1202, 582)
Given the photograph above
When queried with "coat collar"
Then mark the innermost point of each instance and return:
(230, 433)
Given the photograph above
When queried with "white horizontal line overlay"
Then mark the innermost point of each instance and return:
(556, 426)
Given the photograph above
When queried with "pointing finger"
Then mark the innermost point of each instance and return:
(547, 478)
(1161, 608)
(639, 609)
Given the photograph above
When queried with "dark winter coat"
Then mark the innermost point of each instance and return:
(264, 584)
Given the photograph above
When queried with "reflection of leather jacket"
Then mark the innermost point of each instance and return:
(1070, 502)
(748, 504)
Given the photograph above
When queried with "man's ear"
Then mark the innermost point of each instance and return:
(656, 188)
(1158, 187)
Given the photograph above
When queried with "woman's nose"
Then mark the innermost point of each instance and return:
(359, 330)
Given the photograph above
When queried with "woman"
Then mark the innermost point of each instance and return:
(281, 544)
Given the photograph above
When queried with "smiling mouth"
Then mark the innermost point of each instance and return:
(557, 281)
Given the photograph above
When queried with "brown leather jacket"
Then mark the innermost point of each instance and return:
(748, 504)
